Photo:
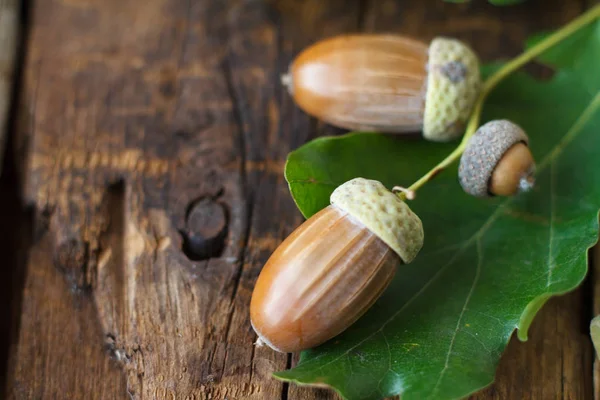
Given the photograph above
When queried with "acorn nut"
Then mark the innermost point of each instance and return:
(387, 83)
(333, 267)
(497, 161)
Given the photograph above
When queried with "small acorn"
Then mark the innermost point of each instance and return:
(333, 267)
(497, 161)
(387, 83)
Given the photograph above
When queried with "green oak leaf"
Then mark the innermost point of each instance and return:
(487, 265)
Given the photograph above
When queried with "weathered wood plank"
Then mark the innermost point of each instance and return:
(594, 279)
(140, 120)
(132, 123)
(138, 115)
(10, 30)
(493, 32)
(555, 362)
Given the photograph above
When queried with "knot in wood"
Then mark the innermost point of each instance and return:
(205, 230)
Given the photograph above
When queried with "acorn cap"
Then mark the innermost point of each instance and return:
(453, 83)
(383, 213)
(483, 152)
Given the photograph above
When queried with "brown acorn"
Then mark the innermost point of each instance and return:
(387, 83)
(332, 269)
(497, 161)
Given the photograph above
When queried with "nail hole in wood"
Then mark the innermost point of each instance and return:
(205, 231)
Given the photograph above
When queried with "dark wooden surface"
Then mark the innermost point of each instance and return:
(144, 191)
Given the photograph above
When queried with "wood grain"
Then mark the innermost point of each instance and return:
(131, 116)
(594, 283)
(136, 114)
(556, 361)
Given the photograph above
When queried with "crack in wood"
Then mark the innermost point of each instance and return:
(249, 207)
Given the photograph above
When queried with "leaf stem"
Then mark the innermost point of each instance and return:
(516, 63)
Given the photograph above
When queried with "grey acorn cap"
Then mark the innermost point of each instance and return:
(484, 150)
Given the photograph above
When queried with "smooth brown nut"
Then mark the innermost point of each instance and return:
(387, 83)
(497, 161)
(515, 165)
(332, 269)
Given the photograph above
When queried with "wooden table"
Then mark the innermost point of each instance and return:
(140, 125)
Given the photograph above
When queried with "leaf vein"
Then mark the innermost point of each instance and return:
(573, 131)
(479, 341)
(416, 295)
(462, 313)
(389, 361)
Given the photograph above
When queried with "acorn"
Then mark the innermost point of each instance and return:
(332, 268)
(497, 161)
(387, 83)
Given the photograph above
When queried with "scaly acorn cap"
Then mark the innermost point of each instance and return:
(453, 84)
(483, 152)
(383, 213)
